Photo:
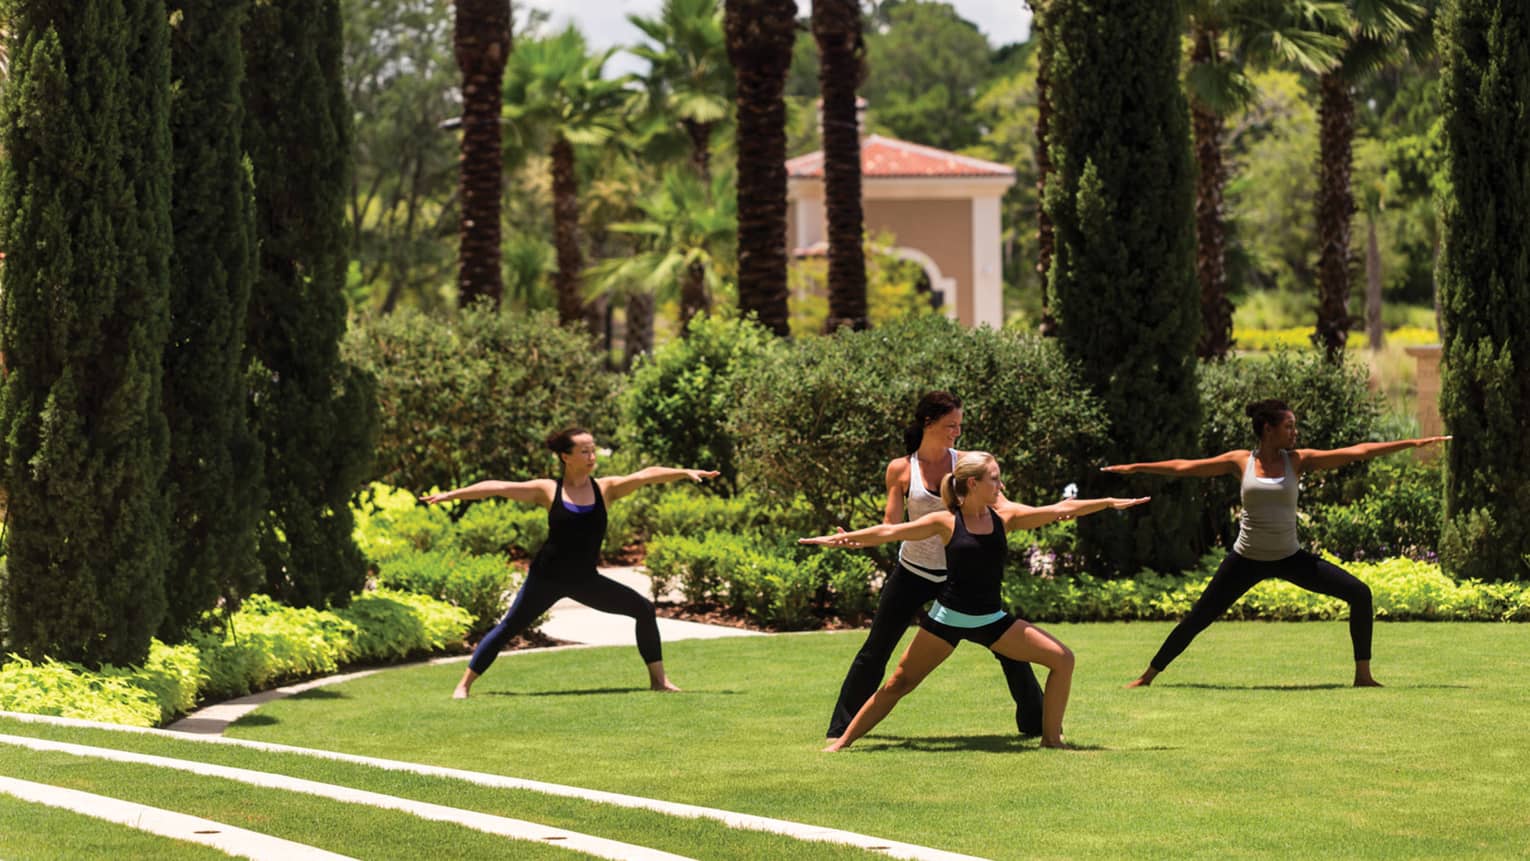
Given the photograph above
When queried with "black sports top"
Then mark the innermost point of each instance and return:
(573, 538)
(975, 568)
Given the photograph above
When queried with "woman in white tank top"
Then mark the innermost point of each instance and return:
(1266, 545)
(913, 490)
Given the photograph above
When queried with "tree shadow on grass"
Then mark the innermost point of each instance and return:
(320, 694)
(579, 692)
(1332, 686)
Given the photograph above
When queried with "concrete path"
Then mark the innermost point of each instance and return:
(567, 620)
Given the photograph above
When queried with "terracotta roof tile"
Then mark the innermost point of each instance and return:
(883, 157)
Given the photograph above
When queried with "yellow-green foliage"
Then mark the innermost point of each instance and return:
(1300, 338)
(267, 643)
(891, 288)
(173, 674)
(69, 690)
(391, 625)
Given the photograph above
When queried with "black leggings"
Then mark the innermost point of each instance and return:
(1236, 575)
(542, 590)
(904, 594)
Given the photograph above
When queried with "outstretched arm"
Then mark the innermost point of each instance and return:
(935, 523)
(1309, 459)
(537, 491)
(1017, 516)
(1226, 463)
(618, 486)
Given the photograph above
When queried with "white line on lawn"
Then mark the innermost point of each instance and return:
(748, 821)
(515, 829)
(167, 823)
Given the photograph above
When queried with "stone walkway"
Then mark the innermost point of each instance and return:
(567, 620)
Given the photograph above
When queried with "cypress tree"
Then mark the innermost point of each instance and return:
(1123, 275)
(214, 470)
(85, 186)
(315, 416)
(1485, 289)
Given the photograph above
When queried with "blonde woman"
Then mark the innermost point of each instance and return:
(972, 528)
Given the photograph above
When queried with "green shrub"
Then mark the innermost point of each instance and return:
(677, 403)
(494, 527)
(391, 521)
(266, 643)
(69, 690)
(847, 577)
(1397, 511)
(391, 625)
(172, 674)
(822, 420)
(472, 395)
(481, 585)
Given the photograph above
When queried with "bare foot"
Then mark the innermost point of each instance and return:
(1367, 682)
(834, 747)
(665, 686)
(1139, 683)
(1059, 744)
(461, 693)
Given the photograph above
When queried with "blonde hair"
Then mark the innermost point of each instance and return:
(953, 488)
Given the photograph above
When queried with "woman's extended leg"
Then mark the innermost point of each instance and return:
(537, 594)
(608, 596)
(903, 594)
(1315, 574)
(924, 654)
(1234, 577)
(1026, 642)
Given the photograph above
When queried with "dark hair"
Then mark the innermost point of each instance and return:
(931, 407)
(1265, 413)
(562, 442)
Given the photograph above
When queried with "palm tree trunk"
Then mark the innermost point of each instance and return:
(701, 148)
(1045, 238)
(837, 28)
(760, 36)
(571, 304)
(639, 334)
(1336, 114)
(694, 298)
(1373, 329)
(481, 41)
(1210, 231)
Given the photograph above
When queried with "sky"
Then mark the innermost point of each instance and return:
(604, 22)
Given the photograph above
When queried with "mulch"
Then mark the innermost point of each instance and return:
(712, 614)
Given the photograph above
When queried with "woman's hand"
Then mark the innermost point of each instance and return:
(1124, 468)
(1431, 440)
(1119, 504)
(699, 474)
(838, 539)
(433, 498)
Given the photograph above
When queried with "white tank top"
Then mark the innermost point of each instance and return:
(927, 556)
(1267, 526)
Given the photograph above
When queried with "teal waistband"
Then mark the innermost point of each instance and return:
(956, 619)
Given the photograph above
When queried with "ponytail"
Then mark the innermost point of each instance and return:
(953, 488)
(932, 406)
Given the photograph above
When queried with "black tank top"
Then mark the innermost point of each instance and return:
(573, 537)
(975, 568)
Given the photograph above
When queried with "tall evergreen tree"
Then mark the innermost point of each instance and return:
(760, 36)
(315, 415)
(214, 471)
(1123, 277)
(1485, 289)
(86, 187)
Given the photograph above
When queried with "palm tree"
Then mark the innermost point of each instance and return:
(481, 41)
(686, 240)
(760, 35)
(689, 79)
(1374, 32)
(841, 56)
(557, 96)
(1225, 35)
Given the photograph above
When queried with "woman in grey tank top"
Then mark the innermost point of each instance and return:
(920, 575)
(1267, 545)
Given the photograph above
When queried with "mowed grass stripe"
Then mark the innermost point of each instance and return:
(167, 823)
(38, 832)
(515, 829)
(699, 838)
(787, 829)
(342, 827)
(1252, 744)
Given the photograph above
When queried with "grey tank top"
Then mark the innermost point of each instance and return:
(1267, 526)
(925, 557)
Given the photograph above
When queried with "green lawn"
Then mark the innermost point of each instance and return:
(1252, 745)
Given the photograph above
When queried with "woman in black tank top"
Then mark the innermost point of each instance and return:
(564, 567)
(970, 606)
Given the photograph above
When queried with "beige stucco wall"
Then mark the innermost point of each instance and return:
(940, 228)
